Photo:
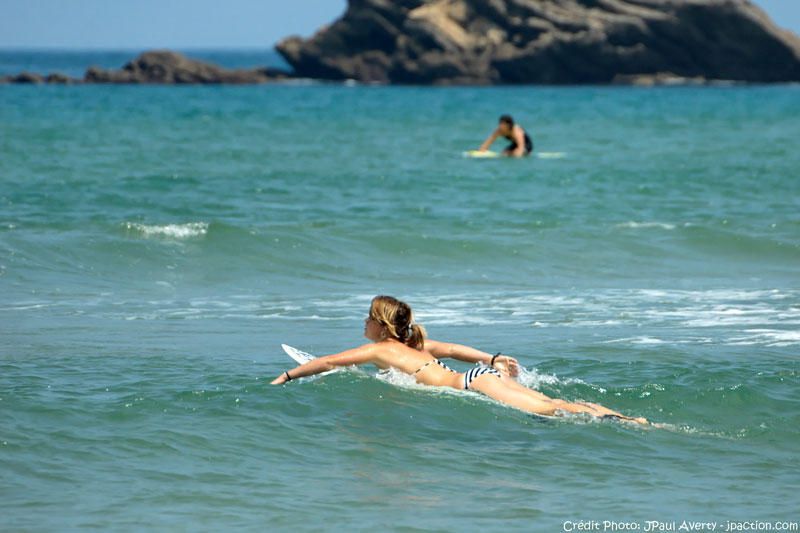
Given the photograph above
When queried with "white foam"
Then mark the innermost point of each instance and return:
(551, 155)
(25, 307)
(768, 337)
(655, 341)
(533, 379)
(645, 225)
(635, 340)
(177, 231)
(623, 316)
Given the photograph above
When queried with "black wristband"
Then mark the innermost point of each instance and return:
(493, 358)
(288, 377)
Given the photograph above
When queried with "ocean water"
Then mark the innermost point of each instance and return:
(158, 244)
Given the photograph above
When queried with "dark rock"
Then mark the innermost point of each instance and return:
(26, 77)
(274, 73)
(99, 75)
(547, 41)
(59, 79)
(166, 67)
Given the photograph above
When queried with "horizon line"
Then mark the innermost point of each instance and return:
(14, 48)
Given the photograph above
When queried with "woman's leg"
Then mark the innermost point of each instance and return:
(495, 388)
(514, 384)
(577, 407)
(596, 410)
(521, 397)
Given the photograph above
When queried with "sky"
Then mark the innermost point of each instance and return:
(198, 24)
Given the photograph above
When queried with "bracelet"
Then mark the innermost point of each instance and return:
(493, 358)
(288, 377)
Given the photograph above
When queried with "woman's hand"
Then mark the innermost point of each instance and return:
(280, 380)
(507, 365)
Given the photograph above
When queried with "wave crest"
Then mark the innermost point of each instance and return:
(175, 231)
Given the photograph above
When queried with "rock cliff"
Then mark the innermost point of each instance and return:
(547, 42)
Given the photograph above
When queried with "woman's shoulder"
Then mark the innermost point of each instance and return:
(389, 348)
(367, 347)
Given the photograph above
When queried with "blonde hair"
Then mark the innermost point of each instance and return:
(397, 319)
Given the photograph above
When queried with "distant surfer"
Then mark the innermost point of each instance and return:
(521, 144)
(398, 342)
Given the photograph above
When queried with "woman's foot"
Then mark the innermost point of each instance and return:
(605, 412)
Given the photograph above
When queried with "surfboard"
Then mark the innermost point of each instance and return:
(302, 357)
(298, 355)
(481, 154)
(489, 154)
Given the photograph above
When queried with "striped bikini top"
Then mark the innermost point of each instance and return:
(434, 360)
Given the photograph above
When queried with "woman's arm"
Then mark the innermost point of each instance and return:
(471, 355)
(356, 356)
(489, 140)
(456, 351)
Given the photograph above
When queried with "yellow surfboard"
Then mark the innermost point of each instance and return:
(489, 154)
(481, 154)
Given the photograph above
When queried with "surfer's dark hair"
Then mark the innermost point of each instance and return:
(398, 320)
(507, 119)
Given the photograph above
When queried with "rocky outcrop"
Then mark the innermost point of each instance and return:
(167, 67)
(25, 78)
(159, 67)
(58, 78)
(31, 78)
(547, 42)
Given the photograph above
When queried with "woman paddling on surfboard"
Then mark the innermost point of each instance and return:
(398, 342)
(521, 144)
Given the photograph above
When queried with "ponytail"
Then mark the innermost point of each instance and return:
(416, 338)
(396, 317)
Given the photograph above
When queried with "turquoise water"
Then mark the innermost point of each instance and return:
(157, 244)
